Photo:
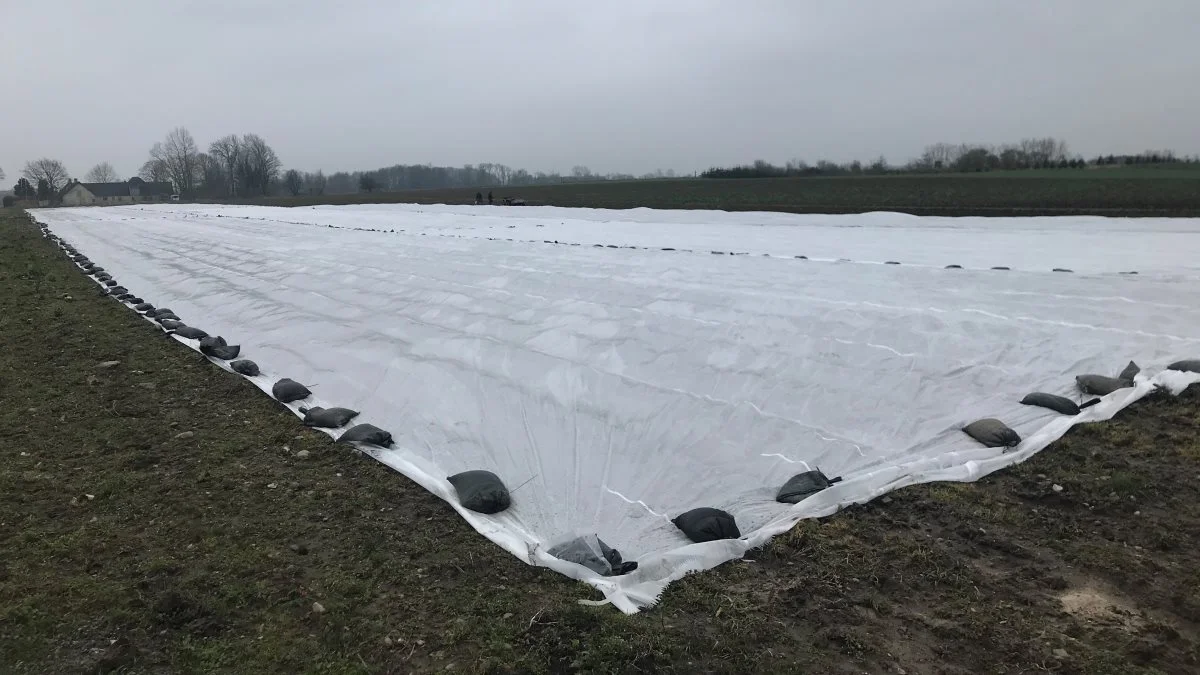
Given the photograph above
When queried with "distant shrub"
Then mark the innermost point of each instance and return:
(9, 201)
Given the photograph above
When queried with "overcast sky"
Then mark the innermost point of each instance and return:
(617, 85)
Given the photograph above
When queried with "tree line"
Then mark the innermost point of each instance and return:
(1028, 154)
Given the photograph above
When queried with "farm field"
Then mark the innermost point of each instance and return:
(175, 518)
(1114, 192)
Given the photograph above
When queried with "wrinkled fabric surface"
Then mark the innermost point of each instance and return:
(613, 389)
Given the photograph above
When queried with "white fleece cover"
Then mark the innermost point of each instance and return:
(615, 388)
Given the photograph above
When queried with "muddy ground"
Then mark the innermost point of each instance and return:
(162, 516)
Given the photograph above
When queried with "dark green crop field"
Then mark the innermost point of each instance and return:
(1109, 192)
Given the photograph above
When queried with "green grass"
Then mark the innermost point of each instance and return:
(1121, 191)
(183, 560)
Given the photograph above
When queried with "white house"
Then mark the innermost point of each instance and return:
(134, 191)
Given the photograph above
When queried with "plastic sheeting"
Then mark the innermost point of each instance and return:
(615, 388)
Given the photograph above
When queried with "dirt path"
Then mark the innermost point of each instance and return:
(161, 515)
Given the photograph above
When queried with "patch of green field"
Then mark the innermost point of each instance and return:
(1120, 191)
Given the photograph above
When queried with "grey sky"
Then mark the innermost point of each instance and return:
(618, 85)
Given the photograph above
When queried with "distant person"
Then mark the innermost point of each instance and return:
(478, 197)
(489, 197)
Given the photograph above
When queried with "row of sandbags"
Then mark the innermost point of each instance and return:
(216, 347)
(996, 434)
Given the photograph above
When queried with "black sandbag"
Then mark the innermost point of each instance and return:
(226, 353)
(1186, 366)
(328, 418)
(160, 310)
(366, 433)
(134, 300)
(115, 290)
(804, 485)
(187, 331)
(109, 282)
(288, 390)
(217, 348)
(591, 552)
(1129, 372)
(1100, 385)
(245, 367)
(992, 433)
(87, 265)
(125, 297)
(1002, 268)
(480, 491)
(1059, 404)
(171, 324)
(103, 276)
(954, 267)
(1061, 269)
(144, 307)
(707, 524)
(163, 317)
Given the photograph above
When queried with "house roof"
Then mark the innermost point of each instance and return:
(146, 189)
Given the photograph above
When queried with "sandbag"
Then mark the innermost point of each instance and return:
(707, 524)
(328, 418)
(187, 331)
(480, 491)
(992, 433)
(218, 349)
(288, 390)
(1059, 404)
(245, 367)
(134, 300)
(804, 485)
(124, 297)
(1186, 366)
(1100, 385)
(166, 316)
(115, 290)
(109, 282)
(1129, 372)
(591, 552)
(161, 310)
(144, 307)
(171, 324)
(366, 433)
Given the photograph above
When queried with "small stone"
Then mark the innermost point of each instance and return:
(318, 608)
(272, 486)
(185, 435)
(147, 385)
(299, 549)
(1137, 513)
(886, 500)
(1061, 654)
(1056, 487)
(108, 364)
(303, 454)
(387, 641)
(507, 615)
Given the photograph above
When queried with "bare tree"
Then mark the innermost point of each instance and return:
(227, 150)
(294, 181)
(50, 170)
(1, 174)
(259, 165)
(181, 157)
(315, 182)
(212, 180)
(367, 183)
(155, 171)
(102, 173)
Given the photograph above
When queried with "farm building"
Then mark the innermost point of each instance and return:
(133, 191)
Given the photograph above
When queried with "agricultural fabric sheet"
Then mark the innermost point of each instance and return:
(618, 368)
